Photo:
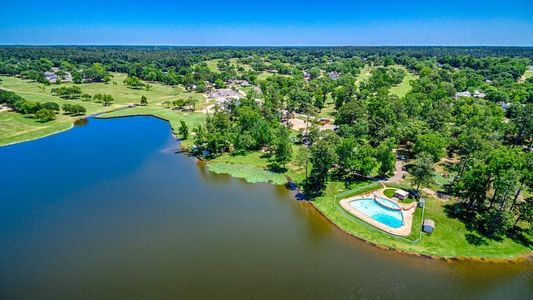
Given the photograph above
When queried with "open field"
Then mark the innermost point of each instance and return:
(405, 86)
(528, 73)
(212, 64)
(22, 128)
(450, 238)
(15, 127)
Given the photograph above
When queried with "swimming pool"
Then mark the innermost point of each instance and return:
(389, 214)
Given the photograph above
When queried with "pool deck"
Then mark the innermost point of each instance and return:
(408, 210)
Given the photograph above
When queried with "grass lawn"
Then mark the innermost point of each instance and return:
(364, 74)
(399, 90)
(449, 239)
(19, 128)
(15, 127)
(250, 166)
(389, 192)
(247, 172)
(405, 86)
(212, 64)
(528, 73)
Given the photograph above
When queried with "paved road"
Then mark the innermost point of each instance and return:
(398, 172)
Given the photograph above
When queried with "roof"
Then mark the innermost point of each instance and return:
(463, 94)
(428, 222)
(401, 192)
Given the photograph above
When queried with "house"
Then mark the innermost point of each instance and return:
(239, 82)
(401, 194)
(428, 225)
(307, 76)
(506, 105)
(52, 77)
(333, 75)
(478, 94)
(463, 94)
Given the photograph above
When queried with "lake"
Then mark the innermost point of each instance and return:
(108, 210)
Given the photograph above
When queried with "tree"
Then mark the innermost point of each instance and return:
(134, 82)
(422, 170)
(184, 130)
(74, 109)
(386, 159)
(323, 157)
(44, 115)
(86, 97)
(107, 100)
(433, 144)
(144, 100)
(283, 147)
(314, 72)
(51, 106)
(192, 102)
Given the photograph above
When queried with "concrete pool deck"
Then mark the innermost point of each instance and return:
(407, 211)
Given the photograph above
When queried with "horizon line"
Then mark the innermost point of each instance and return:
(259, 46)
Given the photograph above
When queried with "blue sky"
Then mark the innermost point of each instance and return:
(267, 22)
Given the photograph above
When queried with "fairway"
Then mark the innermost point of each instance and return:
(17, 128)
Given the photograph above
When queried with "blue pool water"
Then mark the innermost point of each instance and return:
(390, 217)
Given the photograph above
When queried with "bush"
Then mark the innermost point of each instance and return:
(44, 115)
(51, 106)
(74, 109)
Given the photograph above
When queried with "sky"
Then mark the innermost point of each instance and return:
(267, 23)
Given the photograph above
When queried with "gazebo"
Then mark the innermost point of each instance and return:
(401, 194)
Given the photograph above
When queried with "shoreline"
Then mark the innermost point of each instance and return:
(525, 258)
(72, 125)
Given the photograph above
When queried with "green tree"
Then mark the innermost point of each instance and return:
(283, 147)
(44, 115)
(386, 159)
(322, 158)
(184, 130)
(107, 100)
(422, 170)
(144, 100)
(433, 144)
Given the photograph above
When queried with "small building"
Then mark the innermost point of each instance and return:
(479, 94)
(428, 225)
(463, 94)
(333, 75)
(324, 121)
(421, 202)
(401, 194)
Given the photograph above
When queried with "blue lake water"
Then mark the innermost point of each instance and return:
(109, 211)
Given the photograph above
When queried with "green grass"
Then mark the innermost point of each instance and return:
(389, 192)
(448, 239)
(399, 90)
(212, 64)
(15, 127)
(528, 73)
(250, 173)
(19, 128)
(405, 86)
(364, 74)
